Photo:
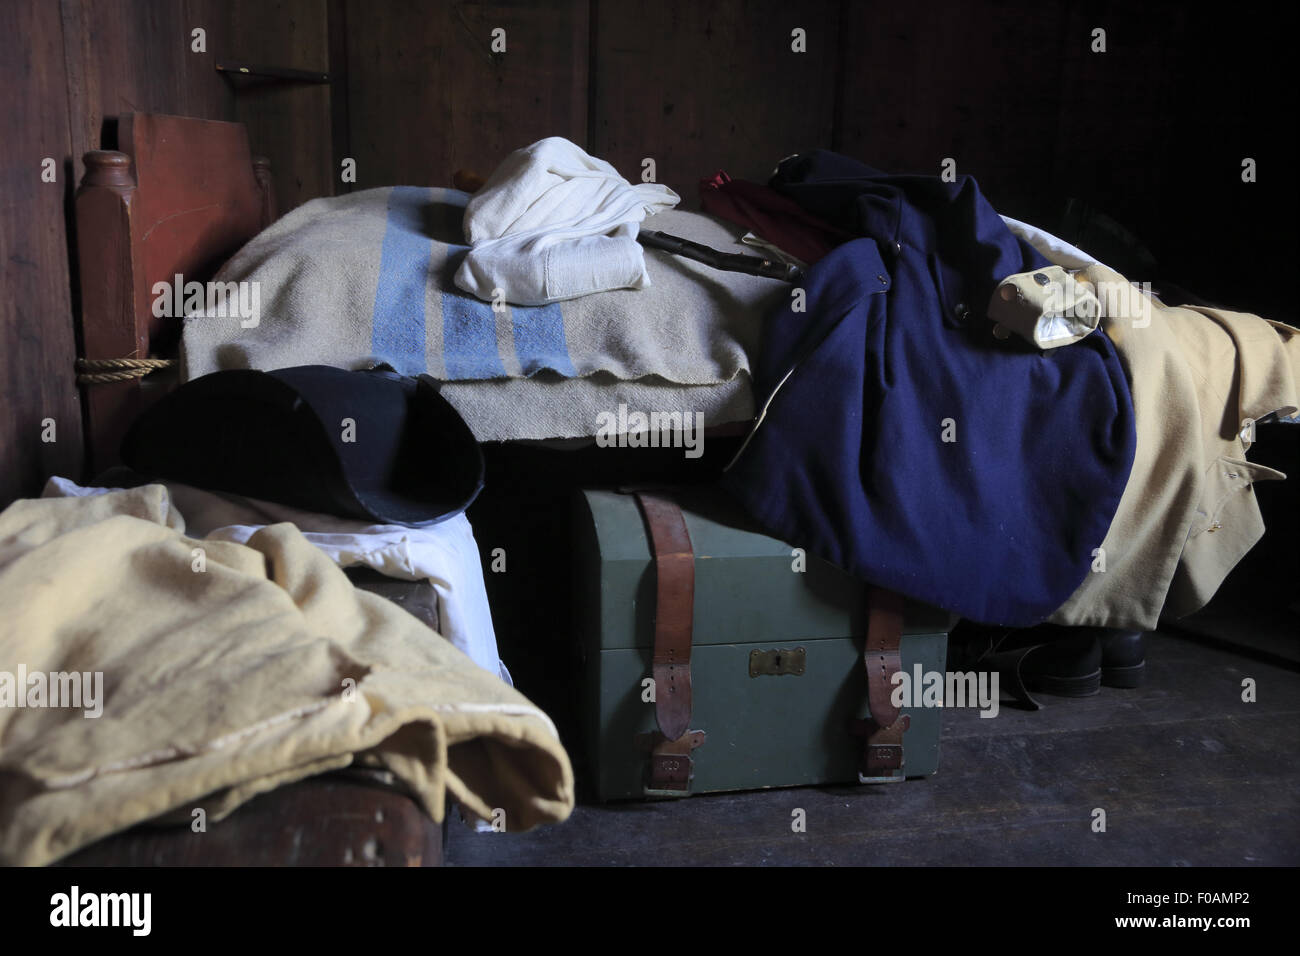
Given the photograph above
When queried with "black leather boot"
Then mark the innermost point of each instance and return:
(1043, 659)
(1064, 666)
(1123, 657)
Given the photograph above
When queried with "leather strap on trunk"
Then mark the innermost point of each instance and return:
(882, 753)
(671, 764)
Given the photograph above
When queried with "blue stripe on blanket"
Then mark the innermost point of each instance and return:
(469, 338)
(539, 339)
(397, 326)
(469, 326)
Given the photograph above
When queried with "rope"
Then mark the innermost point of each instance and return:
(100, 371)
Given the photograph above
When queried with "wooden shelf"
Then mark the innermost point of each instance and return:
(235, 68)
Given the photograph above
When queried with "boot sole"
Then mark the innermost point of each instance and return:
(1127, 677)
(1084, 686)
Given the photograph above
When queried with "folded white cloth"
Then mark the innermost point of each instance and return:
(553, 223)
(445, 554)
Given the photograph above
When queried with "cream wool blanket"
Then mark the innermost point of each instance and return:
(367, 278)
(224, 677)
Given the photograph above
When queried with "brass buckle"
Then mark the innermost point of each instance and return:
(671, 767)
(882, 750)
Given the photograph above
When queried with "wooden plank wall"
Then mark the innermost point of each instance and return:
(427, 95)
(699, 87)
(1155, 132)
(289, 123)
(694, 86)
(955, 81)
(131, 56)
(1152, 132)
(67, 68)
(35, 302)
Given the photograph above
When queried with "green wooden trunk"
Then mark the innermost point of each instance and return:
(763, 731)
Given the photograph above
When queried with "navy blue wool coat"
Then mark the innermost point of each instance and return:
(905, 443)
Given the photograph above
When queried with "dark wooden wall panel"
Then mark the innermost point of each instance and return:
(35, 308)
(975, 82)
(134, 56)
(1153, 132)
(1237, 241)
(289, 123)
(705, 86)
(1119, 108)
(428, 96)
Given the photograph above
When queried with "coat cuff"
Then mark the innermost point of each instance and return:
(1047, 307)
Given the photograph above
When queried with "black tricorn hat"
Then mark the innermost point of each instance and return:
(370, 445)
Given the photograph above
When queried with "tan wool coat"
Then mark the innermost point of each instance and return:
(1200, 378)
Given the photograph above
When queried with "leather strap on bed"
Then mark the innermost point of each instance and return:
(671, 764)
(882, 732)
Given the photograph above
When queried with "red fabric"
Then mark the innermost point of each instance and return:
(766, 213)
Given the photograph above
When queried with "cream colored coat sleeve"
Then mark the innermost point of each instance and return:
(1188, 514)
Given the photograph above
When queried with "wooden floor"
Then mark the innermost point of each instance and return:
(1186, 772)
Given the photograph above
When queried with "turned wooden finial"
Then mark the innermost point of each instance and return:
(262, 173)
(466, 180)
(107, 167)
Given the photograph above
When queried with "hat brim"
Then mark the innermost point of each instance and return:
(371, 446)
